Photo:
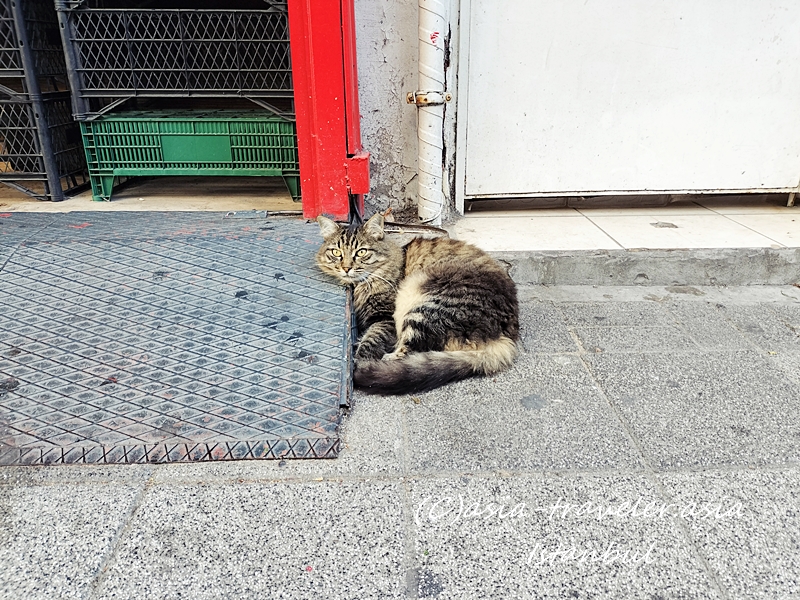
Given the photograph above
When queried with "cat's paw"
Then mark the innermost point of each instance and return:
(396, 355)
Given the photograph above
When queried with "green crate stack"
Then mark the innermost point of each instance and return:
(217, 142)
(157, 91)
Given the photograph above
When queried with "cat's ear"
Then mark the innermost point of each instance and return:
(374, 226)
(327, 227)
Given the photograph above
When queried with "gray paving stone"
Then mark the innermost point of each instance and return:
(326, 539)
(772, 328)
(704, 409)
(98, 474)
(635, 339)
(542, 326)
(611, 314)
(543, 414)
(788, 362)
(746, 525)
(55, 538)
(705, 323)
(544, 537)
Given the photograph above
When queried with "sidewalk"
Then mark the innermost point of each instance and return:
(623, 398)
(645, 445)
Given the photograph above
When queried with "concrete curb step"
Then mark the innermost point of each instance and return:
(714, 267)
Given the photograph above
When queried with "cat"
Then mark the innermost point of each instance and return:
(430, 313)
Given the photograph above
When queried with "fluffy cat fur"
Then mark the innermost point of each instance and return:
(432, 312)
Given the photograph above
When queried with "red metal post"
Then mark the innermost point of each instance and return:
(333, 165)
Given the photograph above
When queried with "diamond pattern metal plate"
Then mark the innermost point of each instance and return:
(167, 337)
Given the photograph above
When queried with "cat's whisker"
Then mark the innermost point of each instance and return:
(376, 276)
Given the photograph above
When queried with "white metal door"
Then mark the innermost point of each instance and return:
(562, 97)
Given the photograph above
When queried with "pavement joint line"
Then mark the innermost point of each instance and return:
(774, 241)
(683, 527)
(650, 473)
(99, 576)
(682, 327)
(395, 478)
(409, 562)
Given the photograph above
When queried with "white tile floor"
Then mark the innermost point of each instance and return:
(760, 221)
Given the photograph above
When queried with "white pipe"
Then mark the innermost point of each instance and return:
(430, 119)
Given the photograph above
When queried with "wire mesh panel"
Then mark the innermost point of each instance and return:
(121, 53)
(19, 146)
(220, 142)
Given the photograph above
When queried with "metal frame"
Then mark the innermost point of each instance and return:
(460, 176)
(334, 168)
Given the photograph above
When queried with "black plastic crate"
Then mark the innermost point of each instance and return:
(22, 158)
(40, 144)
(128, 53)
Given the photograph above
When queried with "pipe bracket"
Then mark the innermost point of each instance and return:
(421, 98)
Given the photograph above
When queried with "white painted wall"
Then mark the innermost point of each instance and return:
(386, 39)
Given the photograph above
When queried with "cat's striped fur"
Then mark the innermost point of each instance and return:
(432, 312)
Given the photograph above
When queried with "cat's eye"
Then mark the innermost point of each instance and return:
(336, 252)
(361, 252)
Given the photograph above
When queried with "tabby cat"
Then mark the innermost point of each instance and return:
(432, 312)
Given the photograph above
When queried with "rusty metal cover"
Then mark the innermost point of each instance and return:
(167, 337)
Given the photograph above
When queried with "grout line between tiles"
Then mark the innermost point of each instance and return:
(608, 235)
(729, 217)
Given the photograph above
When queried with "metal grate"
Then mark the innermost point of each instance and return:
(143, 337)
(41, 31)
(10, 57)
(44, 39)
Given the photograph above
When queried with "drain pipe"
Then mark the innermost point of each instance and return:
(430, 100)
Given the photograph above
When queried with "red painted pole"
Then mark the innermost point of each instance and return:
(332, 164)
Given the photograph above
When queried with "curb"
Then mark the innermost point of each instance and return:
(717, 266)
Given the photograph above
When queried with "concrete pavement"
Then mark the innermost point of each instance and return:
(645, 445)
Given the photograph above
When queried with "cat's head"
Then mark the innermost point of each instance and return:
(353, 254)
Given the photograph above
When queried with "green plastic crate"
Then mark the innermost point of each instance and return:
(218, 142)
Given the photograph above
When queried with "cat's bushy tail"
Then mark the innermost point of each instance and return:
(422, 371)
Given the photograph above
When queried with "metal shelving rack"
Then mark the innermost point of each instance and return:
(118, 54)
(40, 145)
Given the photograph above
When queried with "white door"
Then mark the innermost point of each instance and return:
(567, 97)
